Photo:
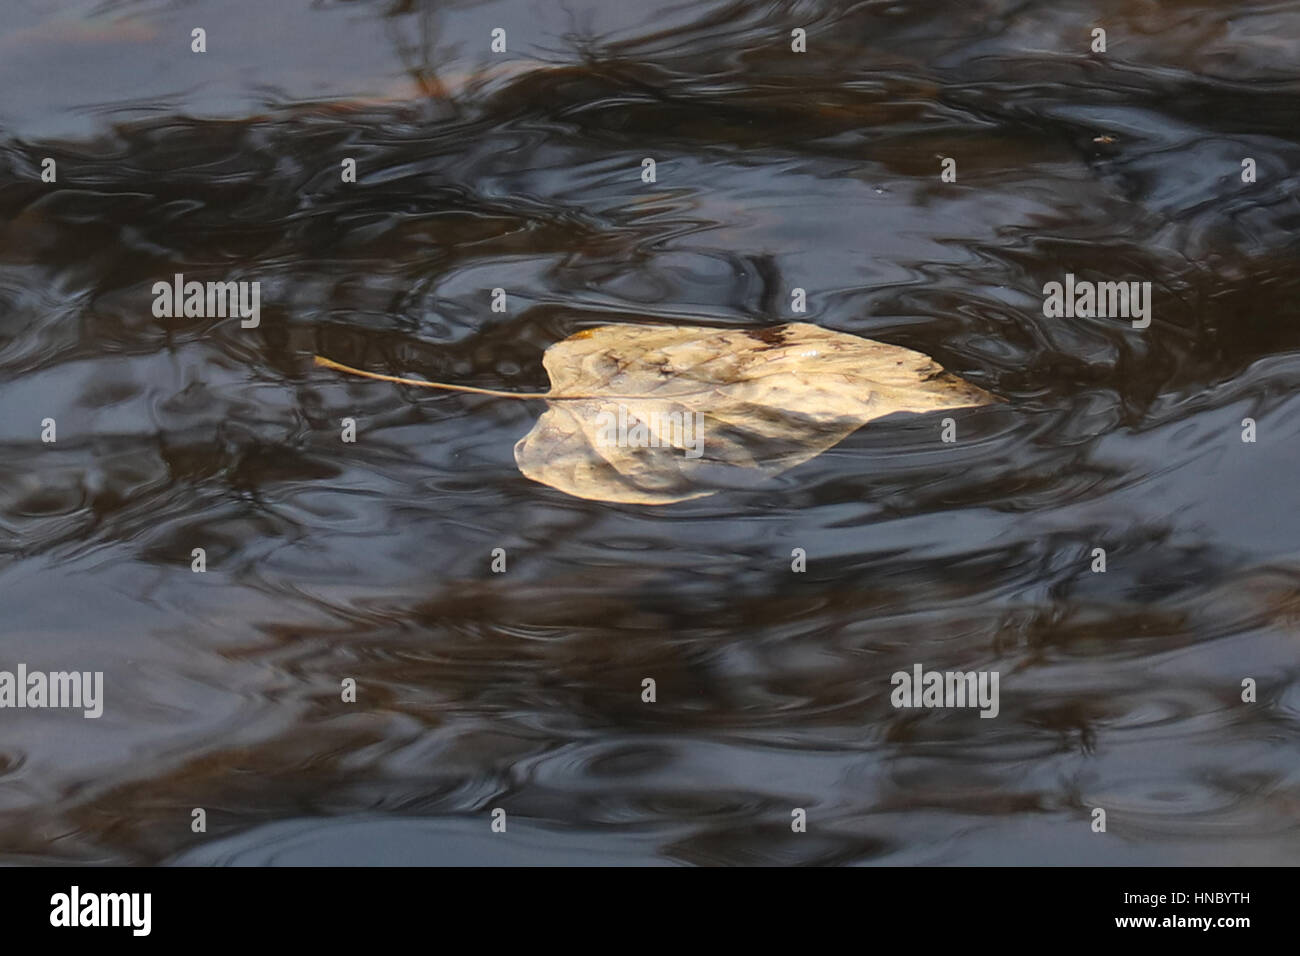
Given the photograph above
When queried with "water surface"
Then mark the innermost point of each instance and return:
(523, 690)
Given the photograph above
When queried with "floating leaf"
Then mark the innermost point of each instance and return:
(653, 414)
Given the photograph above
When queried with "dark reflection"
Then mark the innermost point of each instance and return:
(523, 690)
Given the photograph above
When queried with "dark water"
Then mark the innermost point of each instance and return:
(522, 690)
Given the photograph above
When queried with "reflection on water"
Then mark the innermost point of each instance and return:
(523, 690)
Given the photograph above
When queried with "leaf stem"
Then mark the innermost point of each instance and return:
(340, 367)
(491, 393)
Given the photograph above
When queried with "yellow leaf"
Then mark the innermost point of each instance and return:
(655, 414)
